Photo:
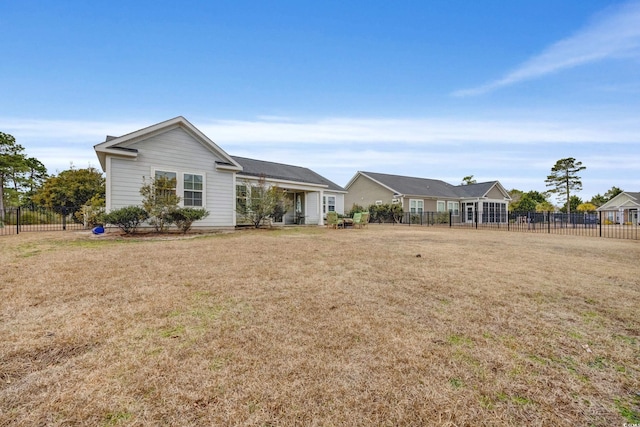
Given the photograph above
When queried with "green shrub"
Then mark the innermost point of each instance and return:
(183, 218)
(355, 209)
(92, 213)
(127, 219)
(442, 218)
(385, 213)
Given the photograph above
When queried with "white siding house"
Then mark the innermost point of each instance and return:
(206, 176)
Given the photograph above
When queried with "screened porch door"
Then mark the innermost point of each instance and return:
(469, 213)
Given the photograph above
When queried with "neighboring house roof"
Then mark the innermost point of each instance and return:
(626, 199)
(412, 186)
(258, 168)
(118, 146)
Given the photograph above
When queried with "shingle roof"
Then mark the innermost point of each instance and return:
(273, 170)
(408, 185)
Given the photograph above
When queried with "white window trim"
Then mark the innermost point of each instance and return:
(419, 208)
(204, 188)
(454, 212)
(180, 183)
(444, 206)
(326, 204)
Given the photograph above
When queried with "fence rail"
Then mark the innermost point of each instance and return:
(20, 220)
(591, 224)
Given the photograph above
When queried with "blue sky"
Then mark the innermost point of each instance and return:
(435, 89)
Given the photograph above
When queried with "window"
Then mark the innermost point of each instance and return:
(454, 208)
(416, 206)
(440, 206)
(165, 183)
(378, 202)
(241, 198)
(190, 187)
(395, 201)
(328, 204)
(494, 212)
(192, 190)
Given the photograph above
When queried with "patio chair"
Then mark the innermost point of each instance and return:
(364, 220)
(357, 218)
(332, 220)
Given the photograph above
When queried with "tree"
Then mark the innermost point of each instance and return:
(545, 206)
(612, 192)
(515, 195)
(34, 177)
(527, 202)
(564, 179)
(574, 202)
(600, 200)
(263, 201)
(586, 207)
(467, 180)
(160, 200)
(71, 189)
(12, 164)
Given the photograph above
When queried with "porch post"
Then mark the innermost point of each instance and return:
(321, 207)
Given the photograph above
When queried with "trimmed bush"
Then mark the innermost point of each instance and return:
(183, 218)
(127, 219)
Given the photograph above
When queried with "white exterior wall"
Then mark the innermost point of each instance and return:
(173, 151)
(313, 210)
(339, 200)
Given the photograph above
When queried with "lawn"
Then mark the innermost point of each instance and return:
(309, 326)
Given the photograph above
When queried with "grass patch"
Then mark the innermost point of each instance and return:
(289, 327)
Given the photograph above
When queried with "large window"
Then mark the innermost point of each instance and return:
(193, 186)
(416, 206)
(440, 206)
(454, 208)
(242, 195)
(328, 204)
(494, 212)
(189, 186)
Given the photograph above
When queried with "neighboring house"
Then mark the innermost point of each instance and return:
(206, 176)
(417, 195)
(622, 208)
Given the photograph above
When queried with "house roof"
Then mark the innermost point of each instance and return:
(258, 168)
(626, 199)
(407, 185)
(118, 146)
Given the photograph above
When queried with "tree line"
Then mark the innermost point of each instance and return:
(563, 181)
(25, 182)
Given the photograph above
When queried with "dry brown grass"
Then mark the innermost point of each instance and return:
(319, 327)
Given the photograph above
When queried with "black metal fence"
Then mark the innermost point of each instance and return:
(20, 220)
(591, 224)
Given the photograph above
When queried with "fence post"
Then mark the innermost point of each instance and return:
(450, 219)
(600, 221)
(549, 222)
(475, 217)
(64, 219)
(18, 220)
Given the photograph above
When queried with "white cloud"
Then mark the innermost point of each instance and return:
(614, 34)
(518, 152)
